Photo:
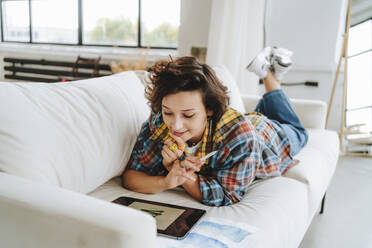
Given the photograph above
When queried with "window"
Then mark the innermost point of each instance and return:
(160, 27)
(113, 23)
(51, 25)
(359, 87)
(129, 23)
(15, 21)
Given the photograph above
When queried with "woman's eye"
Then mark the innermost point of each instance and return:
(188, 116)
(167, 113)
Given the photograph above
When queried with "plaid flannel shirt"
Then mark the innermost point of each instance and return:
(249, 147)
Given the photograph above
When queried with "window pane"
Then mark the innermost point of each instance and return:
(160, 22)
(54, 21)
(16, 21)
(359, 87)
(360, 38)
(110, 22)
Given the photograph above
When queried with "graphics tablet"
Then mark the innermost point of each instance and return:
(171, 220)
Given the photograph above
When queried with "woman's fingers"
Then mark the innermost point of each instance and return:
(181, 142)
(189, 176)
(185, 173)
(178, 175)
(170, 153)
(166, 155)
(168, 142)
(167, 161)
(190, 165)
(170, 147)
(195, 160)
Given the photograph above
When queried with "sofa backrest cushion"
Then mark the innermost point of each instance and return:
(228, 80)
(76, 135)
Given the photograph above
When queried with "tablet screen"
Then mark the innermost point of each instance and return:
(171, 220)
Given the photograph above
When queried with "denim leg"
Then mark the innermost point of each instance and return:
(276, 106)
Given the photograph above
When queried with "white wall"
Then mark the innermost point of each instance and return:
(194, 26)
(313, 31)
(309, 28)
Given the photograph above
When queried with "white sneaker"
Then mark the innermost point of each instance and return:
(281, 62)
(261, 63)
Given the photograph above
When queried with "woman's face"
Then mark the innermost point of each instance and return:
(185, 114)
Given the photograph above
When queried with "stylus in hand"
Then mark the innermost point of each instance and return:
(203, 158)
(208, 156)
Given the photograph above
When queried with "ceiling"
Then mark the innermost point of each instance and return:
(360, 10)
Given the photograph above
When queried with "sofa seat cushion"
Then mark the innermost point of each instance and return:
(277, 206)
(317, 165)
(75, 135)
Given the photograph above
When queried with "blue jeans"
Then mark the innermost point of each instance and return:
(276, 106)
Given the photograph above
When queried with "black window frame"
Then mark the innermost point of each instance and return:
(80, 30)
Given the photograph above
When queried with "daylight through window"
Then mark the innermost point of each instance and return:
(359, 87)
(129, 23)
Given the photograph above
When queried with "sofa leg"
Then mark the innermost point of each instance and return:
(322, 206)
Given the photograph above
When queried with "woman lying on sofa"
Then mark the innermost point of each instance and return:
(191, 118)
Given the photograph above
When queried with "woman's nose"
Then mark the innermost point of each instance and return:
(177, 124)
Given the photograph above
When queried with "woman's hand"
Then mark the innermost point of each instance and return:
(181, 171)
(170, 156)
(170, 152)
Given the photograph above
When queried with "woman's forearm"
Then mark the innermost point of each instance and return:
(141, 182)
(193, 188)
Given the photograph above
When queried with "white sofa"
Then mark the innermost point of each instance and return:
(64, 146)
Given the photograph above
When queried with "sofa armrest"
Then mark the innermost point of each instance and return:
(312, 113)
(39, 215)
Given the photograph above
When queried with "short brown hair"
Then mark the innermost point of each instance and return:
(186, 74)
